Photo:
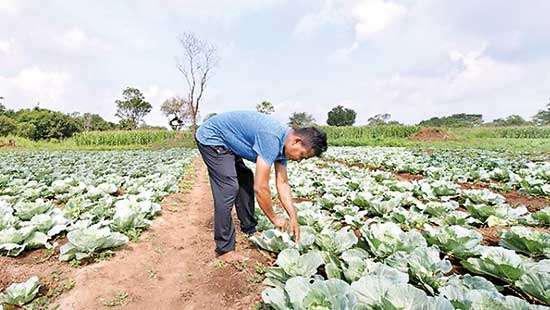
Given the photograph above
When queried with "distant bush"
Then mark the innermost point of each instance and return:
(7, 126)
(47, 124)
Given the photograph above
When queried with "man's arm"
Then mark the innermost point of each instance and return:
(285, 196)
(263, 193)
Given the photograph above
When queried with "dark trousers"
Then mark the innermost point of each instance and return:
(232, 183)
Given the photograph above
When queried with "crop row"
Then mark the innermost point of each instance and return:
(99, 199)
(461, 166)
(381, 243)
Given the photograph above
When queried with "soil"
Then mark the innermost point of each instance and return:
(430, 134)
(533, 204)
(172, 266)
(491, 235)
(408, 177)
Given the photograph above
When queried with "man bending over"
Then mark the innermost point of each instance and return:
(224, 141)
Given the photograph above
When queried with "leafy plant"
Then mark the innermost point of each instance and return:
(387, 238)
(454, 240)
(19, 294)
(85, 242)
(497, 262)
(291, 264)
(527, 241)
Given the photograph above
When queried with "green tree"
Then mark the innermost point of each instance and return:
(512, 120)
(132, 108)
(379, 119)
(265, 107)
(40, 123)
(7, 126)
(92, 122)
(340, 116)
(542, 118)
(300, 119)
(455, 120)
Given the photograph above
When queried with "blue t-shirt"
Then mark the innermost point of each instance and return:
(248, 134)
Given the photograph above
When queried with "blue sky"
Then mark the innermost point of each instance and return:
(413, 59)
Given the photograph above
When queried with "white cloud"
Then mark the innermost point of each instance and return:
(7, 47)
(374, 16)
(76, 39)
(369, 17)
(156, 95)
(32, 85)
(11, 7)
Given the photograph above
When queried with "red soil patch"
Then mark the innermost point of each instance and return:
(491, 235)
(430, 134)
(533, 204)
(408, 177)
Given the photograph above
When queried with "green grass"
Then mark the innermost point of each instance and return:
(122, 137)
(532, 140)
(528, 146)
(182, 139)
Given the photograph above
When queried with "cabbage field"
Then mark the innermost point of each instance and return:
(372, 240)
(98, 199)
(381, 228)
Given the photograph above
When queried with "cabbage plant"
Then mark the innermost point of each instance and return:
(524, 240)
(85, 242)
(291, 264)
(497, 262)
(19, 294)
(387, 238)
(454, 240)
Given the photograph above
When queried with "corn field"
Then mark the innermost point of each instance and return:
(119, 137)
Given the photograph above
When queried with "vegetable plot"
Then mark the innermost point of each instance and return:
(370, 241)
(99, 199)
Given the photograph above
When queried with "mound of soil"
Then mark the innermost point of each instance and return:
(430, 134)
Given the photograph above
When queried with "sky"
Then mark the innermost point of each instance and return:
(413, 59)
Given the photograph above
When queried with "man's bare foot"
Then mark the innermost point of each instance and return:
(232, 256)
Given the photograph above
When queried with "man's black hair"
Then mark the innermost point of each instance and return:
(314, 138)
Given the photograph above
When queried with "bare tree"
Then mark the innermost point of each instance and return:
(198, 60)
(178, 111)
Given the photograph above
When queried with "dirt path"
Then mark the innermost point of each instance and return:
(173, 266)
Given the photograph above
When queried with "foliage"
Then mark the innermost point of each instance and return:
(524, 240)
(97, 197)
(542, 118)
(7, 126)
(92, 122)
(265, 107)
(83, 242)
(340, 116)
(455, 240)
(300, 119)
(178, 111)
(512, 120)
(380, 119)
(455, 120)
(497, 262)
(120, 137)
(39, 124)
(19, 294)
(132, 108)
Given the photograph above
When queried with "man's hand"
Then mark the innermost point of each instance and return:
(295, 229)
(280, 223)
